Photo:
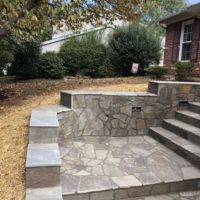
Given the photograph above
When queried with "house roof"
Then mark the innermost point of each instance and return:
(187, 13)
(74, 34)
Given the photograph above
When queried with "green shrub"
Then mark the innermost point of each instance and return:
(134, 44)
(156, 71)
(26, 60)
(51, 66)
(6, 53)
(183, 70)
(85, 53)
(105, 71)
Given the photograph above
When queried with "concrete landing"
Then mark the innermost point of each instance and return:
(121, 168)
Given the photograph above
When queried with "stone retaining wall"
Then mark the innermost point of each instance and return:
(123, 114)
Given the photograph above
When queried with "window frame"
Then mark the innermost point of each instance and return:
(182, 37)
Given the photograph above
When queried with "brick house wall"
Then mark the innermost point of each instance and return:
(172, 46)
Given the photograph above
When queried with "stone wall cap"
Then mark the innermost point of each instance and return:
(52, 108)
(43, 155)
(130, 94)
(176, 82)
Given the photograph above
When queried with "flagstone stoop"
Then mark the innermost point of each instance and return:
(95, 145)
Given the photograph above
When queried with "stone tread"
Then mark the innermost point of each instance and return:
(46, 116)
(50, 193)
(195, 103)
(186, 127)
(43, 155)
(189, 114)
(179, 141)
(84, 92)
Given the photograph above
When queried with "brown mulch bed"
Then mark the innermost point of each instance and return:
(17, 99)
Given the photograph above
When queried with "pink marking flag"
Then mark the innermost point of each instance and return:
(134, 68)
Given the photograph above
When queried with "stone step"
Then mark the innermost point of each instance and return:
(44, 125)
(43, 165)
(194, 107)
(183, 129)
(183, 147)
(49, 193)
(189, 117)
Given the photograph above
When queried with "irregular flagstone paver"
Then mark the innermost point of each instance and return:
(102, 163)
(147, 178)
(190, 173)
(93, 183)
(126, 181)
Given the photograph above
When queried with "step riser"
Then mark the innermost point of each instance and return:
(187, 119)
(194, 108)
(39, 177)
(177, 149)
(181, 132)
(42, 135)
(124, 194)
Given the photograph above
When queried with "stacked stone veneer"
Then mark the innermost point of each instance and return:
(119, 114)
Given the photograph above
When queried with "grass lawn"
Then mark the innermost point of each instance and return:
(17, 99)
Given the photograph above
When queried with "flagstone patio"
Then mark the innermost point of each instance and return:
(92, 164)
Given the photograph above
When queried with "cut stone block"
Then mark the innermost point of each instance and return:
(50, 193)
(43, 135)
(44, 125)
(43, 165)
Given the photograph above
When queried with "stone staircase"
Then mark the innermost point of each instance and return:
(43, 155)
(182, 134)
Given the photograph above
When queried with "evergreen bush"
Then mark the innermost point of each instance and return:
(51, 66)
(85, 53)
(134, 44)
(26, 60)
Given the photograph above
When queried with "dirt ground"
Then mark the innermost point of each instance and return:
(17, 99)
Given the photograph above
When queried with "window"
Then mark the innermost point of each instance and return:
(186, 41)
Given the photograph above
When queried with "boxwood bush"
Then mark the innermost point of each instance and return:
(183, 70)
(51, 66)
(156, 72)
